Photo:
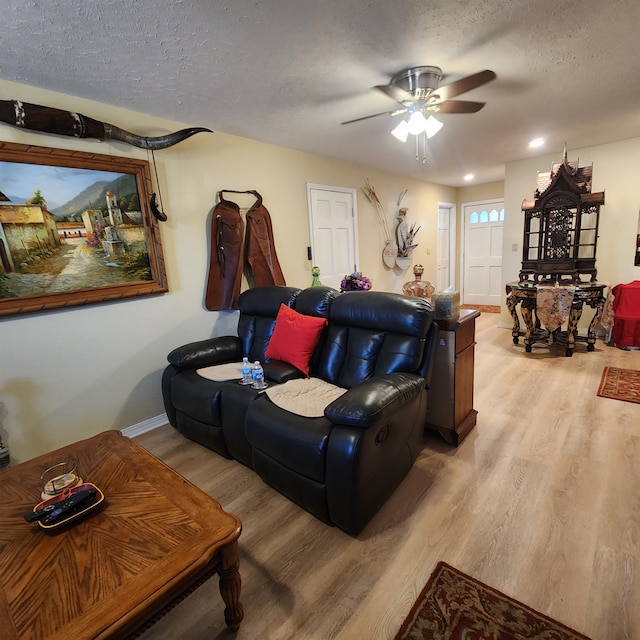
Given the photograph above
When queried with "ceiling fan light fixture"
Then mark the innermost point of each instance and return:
(417, 123)
(432, 126)
(401, 132)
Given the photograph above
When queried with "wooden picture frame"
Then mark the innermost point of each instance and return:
(75, 229)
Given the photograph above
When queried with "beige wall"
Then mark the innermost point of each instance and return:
(480, 192)
(69, 374)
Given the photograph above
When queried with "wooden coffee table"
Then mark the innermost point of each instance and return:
(155, 537)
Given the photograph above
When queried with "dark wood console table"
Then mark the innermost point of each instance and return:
(525, 294)
(450, 409)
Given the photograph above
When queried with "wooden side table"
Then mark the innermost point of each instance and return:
(450, 409)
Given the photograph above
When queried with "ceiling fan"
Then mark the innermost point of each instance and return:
(418, 89)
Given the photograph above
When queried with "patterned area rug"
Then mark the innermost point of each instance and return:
(454, 606)
(620, 384)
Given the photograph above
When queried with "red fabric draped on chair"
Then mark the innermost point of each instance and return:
(626, 306)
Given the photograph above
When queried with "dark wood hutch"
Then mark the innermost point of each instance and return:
(561, 225)
(559, 250)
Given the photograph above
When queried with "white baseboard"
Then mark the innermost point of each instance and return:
(147, 425)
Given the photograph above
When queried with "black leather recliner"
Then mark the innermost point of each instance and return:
(341, 467)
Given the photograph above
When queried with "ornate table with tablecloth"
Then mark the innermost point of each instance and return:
(545, 308)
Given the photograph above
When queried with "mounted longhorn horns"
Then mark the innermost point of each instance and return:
(35, 117)
(66, 123)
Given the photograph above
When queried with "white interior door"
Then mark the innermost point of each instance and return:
(483, 222)
(446, 246)
(333, 230)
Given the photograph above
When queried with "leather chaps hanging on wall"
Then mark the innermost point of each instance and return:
(231, 250)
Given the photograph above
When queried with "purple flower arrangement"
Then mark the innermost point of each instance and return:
(355, 282)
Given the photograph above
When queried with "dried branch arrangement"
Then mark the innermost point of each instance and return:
(371, 195)
(407, 245)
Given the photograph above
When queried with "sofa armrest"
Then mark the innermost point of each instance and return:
(206, 353)
(374, 399)
(373, 448)
(279, 371)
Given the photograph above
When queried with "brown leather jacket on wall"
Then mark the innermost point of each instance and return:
(231, 250)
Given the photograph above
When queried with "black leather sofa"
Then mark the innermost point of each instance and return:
(341, 467)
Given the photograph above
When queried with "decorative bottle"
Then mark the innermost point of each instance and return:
(258, 376)
(246, 371)
(418, 288)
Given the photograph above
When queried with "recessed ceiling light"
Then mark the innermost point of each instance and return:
(469, 176)
(536, 142)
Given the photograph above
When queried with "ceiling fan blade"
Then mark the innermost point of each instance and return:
(395, 93)
(375, 115)
(456, 106)
(464, 84)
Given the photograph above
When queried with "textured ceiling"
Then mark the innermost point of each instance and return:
(288, 72)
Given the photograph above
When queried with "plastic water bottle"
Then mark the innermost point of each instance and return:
(245, 370)
(257, 374)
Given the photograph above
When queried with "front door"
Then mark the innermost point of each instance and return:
(483, 222)
(333, 231)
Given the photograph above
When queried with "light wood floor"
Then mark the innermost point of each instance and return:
(541, 501)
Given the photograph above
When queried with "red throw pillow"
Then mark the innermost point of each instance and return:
(294, 338)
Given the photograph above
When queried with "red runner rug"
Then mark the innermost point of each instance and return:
(620, 384)
(454, 606)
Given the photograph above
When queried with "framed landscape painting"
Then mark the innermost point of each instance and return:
(75, 228)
